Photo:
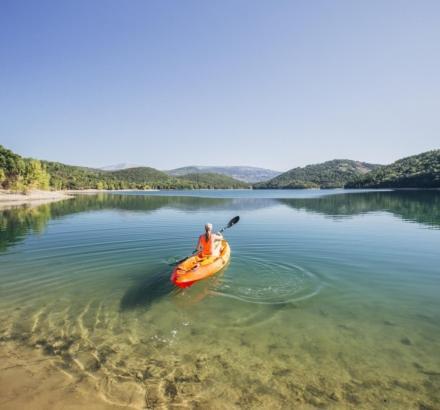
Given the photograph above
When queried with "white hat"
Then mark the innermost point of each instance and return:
(208, 226)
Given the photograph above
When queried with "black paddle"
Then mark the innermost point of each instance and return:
(231, 223)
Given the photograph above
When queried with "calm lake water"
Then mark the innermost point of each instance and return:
(331, 298)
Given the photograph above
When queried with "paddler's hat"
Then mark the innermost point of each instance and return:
(208, 226)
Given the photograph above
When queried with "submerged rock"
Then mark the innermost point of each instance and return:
(20, 337)
(170, 389)
(389, 323)
(334, 396)
(404, 385)
(418, 366)
(281, 372)
(352, 398)
(104, 352)
(423, 406)
(323, 312)
(49, 350)
(152, 399)
(89, 361)
(406, 341)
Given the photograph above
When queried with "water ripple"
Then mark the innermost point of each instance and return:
(265, 281)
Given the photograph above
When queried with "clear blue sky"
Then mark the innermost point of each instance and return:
(164, 83)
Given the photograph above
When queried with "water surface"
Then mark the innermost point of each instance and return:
(331, 298)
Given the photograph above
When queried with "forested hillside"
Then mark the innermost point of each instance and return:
(70, 177)
(330, 174)
(417, 171)
(20, 174)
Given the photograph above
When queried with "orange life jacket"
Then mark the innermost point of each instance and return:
(207, 245)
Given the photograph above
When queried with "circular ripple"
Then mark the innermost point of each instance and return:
(256, 280)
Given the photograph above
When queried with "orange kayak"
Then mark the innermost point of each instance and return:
(195, 268)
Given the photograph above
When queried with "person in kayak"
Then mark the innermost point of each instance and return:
(209, 243)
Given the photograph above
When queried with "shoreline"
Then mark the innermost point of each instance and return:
(98, 191)
(39, 197)
(34, 198)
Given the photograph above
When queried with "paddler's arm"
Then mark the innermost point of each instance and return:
(218, 236)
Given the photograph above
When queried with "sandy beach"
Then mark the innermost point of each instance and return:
(98, 191)
(39, 197)
(34, 198)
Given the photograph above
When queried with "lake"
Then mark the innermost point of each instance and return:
(331, 299)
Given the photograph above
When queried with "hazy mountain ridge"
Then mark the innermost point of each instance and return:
(242, 173)
(212, 179)
(330, 174)
(122, 165)
(417, 171)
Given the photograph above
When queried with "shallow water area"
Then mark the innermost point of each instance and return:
(331, 299)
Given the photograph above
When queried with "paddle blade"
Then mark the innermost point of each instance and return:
(233, 221)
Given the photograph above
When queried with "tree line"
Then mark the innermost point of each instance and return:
(22, 174)
(416, 171)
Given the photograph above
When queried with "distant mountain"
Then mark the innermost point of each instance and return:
(178, 172)
(136, 174)
(417, 171)
(241, 173)
(71, 177)
(212, 180)
(329, 174)
(117, 167)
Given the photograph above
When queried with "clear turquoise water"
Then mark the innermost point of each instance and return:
(331, 299)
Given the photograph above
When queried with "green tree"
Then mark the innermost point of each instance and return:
(2, 177)
(35, 176)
